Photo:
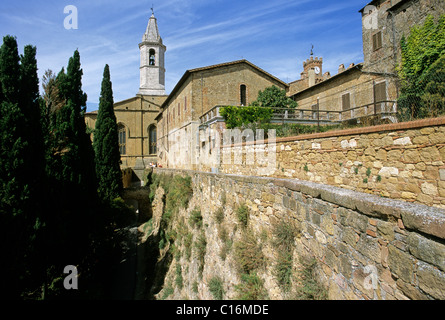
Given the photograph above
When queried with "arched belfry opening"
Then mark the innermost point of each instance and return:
(152, 57)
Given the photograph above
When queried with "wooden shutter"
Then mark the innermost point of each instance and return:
(377, 41)
(346, 101)
(380, 92)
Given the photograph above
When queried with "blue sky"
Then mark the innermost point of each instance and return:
(275, 35)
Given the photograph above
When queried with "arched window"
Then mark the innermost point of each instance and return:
(122, 139)
(243, 95)
(152, 57)
(152, 139)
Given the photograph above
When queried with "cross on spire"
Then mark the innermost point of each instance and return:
(152, 9)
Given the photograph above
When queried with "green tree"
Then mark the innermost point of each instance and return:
(9, 70)
(274, 97)
(106, 145)
(21, 166)
(72, 182)
(236, 117)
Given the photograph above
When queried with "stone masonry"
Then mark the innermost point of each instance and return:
(366, 246)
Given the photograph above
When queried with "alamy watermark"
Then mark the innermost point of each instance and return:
(207, 147)
(71, 280)
(71, 21)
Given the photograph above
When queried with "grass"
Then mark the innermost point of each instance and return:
(196, 217)
(251, 288)
(309, 288)
(284, 234)
(179, 279)
(216, 288)
(249, 253)
(219, 215)
(201, 246)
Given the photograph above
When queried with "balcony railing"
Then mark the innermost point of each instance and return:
(384, 109)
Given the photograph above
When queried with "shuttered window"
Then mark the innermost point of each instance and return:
(380, 92)
(346, 101)
(377, 41)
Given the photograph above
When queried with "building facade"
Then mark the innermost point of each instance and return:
(385, 22)
(192, 107)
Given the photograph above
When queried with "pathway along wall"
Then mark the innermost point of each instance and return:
(366, 246)
(404, 161)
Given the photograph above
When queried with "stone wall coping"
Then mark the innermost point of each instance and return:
(415, 216)
(354, 131)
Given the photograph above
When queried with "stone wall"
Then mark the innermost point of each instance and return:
(365, 246)
(402, 161)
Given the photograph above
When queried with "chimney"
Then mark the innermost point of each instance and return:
(311, 73)
(341, 68)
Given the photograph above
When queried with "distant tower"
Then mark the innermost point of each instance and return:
(313, 70)
(152, 70)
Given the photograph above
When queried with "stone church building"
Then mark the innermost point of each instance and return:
(155, 127)
(136, 116)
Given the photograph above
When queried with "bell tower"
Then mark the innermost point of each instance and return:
(152, 70)
(313, 64)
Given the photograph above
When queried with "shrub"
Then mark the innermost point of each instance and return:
(236, 117)
(243, 214)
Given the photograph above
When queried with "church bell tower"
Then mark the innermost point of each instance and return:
(152, 70)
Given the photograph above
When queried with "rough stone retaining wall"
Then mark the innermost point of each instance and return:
(404, 161)
(366, 246)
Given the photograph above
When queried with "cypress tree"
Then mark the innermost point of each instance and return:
(9, 70)
(106, 145)
(72, 174)
(18, 185)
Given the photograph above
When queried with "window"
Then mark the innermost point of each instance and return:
(185, 104)
(152, 139)
(380, 91)
(122, 139)
(243, 95)
(380, 96)
(346, 101)
(377, 41)
(152, 61)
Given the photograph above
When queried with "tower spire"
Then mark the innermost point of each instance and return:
(152, 71)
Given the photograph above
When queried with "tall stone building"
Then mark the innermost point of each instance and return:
(385, 22)
(136, 115)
